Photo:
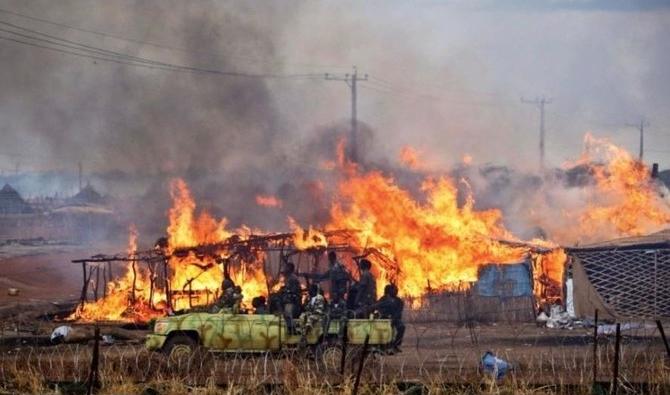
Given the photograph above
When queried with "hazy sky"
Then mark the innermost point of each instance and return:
(445, 76)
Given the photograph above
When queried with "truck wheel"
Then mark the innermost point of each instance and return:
(179, 348)
(331, 355)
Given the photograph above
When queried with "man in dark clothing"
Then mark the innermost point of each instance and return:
(391, 306)
(291, 294)
(338, 276)
(259, 305)
(366, 289)
(227, 283)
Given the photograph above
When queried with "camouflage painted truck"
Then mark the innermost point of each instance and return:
(180, 335)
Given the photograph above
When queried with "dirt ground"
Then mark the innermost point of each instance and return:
(43, 273)
(432, 350)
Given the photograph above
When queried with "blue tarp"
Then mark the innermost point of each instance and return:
(505, 280)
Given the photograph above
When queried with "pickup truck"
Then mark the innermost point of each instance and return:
(227, 332)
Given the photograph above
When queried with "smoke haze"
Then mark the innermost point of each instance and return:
(445, 77)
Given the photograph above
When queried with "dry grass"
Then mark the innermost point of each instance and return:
(437, 360)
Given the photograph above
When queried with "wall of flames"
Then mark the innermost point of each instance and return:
(433, 242)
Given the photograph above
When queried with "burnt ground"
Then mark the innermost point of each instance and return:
(432, 351)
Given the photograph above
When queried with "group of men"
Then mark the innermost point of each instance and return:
(347, 297)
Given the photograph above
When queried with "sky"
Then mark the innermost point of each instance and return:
(446, 77)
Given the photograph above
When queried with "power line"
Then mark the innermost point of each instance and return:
(153, 44)
(98, 53)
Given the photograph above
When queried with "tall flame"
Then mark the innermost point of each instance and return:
(436, 244)
(626, 201)
(434, 241)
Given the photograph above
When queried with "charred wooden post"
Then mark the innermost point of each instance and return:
(84, 288)
(152, 281)
(93, 382)
(595, 346)
(343, 360)
(361, 362)
(134, 281)
(617, 354)
(104, 281)
(665, 339)
(168, 293)
(97, 282)
(110, 274)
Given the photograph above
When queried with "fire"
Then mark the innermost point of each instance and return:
(203, 275)
(436, 243)
(467, 159)
(127, 297)
(434, 238)
(626, 201)
(304, 239)
(409, 157)
(268, 201)
(195, 280)
(621, 199)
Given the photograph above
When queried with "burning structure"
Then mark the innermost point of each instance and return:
(430, 243)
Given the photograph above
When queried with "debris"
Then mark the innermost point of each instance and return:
(60, 333)
(610, 329)
(498, 367)
(13, 292)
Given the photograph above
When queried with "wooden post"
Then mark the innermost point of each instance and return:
(84, 288)
(343, 360)
(104, 281)
(109, 271)
(152, 280)
(168, 294)
(615, 372)
(364, 355)
(97, 282)
(595, 348)
(134, 281)
(665, 339)
(93, 382)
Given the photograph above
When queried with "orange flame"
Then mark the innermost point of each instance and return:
(126, 298)
(435, 244)
(621, 200)
(409, 157)
(304, 239)
(268, 201)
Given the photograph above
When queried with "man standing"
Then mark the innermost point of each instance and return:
(390, 306)
(291, 295)
(315, 309)
(366, 289)
(338, 276)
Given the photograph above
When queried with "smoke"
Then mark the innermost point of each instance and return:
(432, 84)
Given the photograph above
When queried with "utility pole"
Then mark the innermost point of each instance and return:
(81, 171)
(351, 80)
(640, 126)
(540, 102)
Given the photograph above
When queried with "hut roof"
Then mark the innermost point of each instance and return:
(88, 194)
(12, 203)
(658, 240)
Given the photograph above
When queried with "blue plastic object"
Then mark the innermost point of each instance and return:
(494, 365)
